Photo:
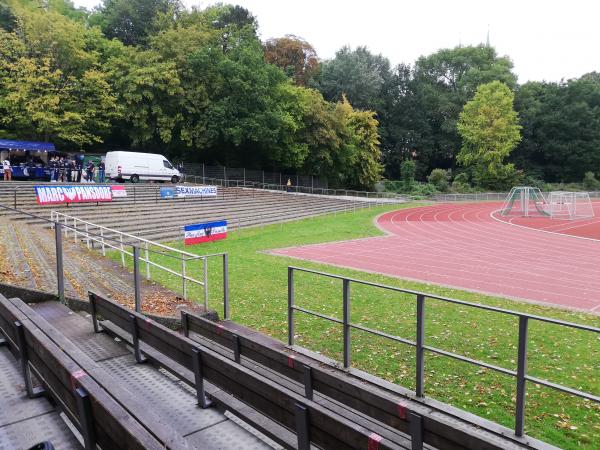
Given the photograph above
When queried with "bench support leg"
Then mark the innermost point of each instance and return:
(136, 340)
(203, 400)
(308, 386)
(302, 427)
(32, 392)
(185, 324)
(93, 312)
(86, 420)
(416, 431)
(236, 348)
(3, 341)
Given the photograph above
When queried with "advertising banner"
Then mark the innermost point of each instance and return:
(167, 192)
(205, 232)
(48, 195)
(196, 191)
(118, 191)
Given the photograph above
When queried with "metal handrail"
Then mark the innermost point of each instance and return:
(520, 373)
(119, 245)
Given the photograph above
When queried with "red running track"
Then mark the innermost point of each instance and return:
(463, 246)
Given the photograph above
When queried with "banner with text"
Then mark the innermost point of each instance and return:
(196, 191)
(205, 232)
(118, 190)
(47, 195)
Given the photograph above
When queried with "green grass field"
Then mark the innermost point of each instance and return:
(258, 291)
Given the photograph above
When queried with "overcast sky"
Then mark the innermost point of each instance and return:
(546, 39)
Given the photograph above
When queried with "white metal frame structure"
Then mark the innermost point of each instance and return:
(570, 205)
(525, 201)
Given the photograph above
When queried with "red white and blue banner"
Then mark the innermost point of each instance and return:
(118, 190)
(196, 191)
(205, 232)
(48, 195)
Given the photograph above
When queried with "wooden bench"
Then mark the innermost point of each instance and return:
(310, 421)
(424, 423)
(104, 413)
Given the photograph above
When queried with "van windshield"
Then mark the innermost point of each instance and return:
(167, 164)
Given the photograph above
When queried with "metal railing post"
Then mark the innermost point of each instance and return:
(420, 351)
(136, 278)
(183, 278)
(290, 306)
(346, 320)
(147, 262)
(205, 270)
(74, 230)
(122, 250)
(60, 274)
(226, 311)
(521, 373)
(102, 238)
(87, 234)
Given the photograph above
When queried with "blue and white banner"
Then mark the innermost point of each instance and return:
(47, 195)
(196, 191)
(205, 232)
(167, 192)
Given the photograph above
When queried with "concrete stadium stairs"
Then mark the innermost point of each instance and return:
(145, 214)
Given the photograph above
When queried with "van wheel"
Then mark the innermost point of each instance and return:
(174, 179)
(135, 178)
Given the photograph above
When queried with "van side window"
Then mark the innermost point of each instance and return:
(167, 164)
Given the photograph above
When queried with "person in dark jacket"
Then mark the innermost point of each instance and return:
(79, 165)
(101, 170)
(90, 171)
(69, 169)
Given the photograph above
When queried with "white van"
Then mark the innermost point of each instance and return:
(134, 166)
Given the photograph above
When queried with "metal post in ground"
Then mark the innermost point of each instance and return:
(346, 321)
(102, 240)
(60, 274)
(205, 270)
(521, 373)
(420, 370)
(290, 306)
(122, 250)
(183, 279)
(147, 263)
(226, 311)
(136, 278)
(87, 235)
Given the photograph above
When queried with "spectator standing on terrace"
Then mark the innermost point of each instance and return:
(62, 167)
(289, 185)
(101, 170)
(69, 169)
(7, 170)
(79, 163)
(90, 171)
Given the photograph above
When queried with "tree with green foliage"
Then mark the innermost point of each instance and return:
(408, 169)
(490, 130)
(590, 182)
(134, 21)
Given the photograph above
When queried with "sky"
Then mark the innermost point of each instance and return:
(546, 40)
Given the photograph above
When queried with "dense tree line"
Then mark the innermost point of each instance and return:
(200, 85)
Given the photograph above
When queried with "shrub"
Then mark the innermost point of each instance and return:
(440, 179)
(590, 182)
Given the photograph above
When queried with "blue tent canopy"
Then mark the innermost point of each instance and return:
(6, 144)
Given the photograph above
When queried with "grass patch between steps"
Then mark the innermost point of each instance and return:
(258, 292)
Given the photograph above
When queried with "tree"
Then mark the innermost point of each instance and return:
(590, 181)
(561, 128)
(489, 127)
(440, 179)
(443, 82)
(134, 21)
(296, 57)
(357, 74)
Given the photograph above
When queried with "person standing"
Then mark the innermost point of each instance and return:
(90, 171)
(7, 170)
(62, 167)
(79, 163)
(69, 168)
(101, 169)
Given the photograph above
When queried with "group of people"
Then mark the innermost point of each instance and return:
(65, 170)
